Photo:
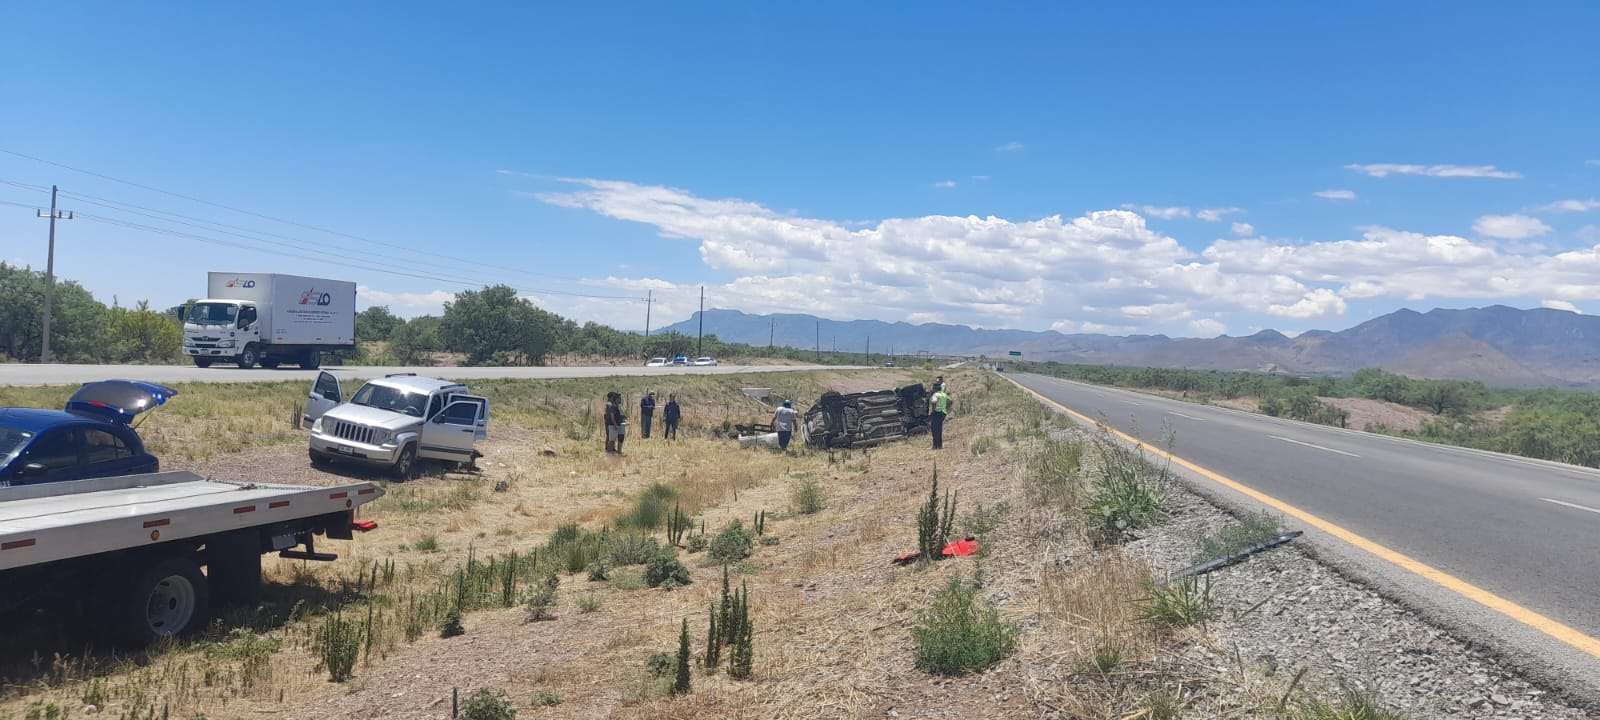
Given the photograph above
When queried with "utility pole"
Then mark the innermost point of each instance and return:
(702, 335)
(772, 330)
(50, 273)
(649, 297)
(869, 349)
(819, 342)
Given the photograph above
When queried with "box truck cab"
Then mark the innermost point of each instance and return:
(270, 319)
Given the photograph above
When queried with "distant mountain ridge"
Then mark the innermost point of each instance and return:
(1499, 345)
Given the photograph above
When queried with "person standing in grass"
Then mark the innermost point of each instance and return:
(647, 413)
(670, 415)
(938, 407)
(615, 422)
(783, 423)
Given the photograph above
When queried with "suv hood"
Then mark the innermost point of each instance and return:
(372, 417)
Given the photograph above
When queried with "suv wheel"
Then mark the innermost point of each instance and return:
(405, 466)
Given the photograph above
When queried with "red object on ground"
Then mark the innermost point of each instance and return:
(364, 525)
(961, 548)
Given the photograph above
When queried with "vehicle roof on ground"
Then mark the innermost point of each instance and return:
(416, 383)
(37, 420)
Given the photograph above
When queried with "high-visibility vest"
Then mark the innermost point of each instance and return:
(941, 402)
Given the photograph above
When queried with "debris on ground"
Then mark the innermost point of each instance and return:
(957, 548)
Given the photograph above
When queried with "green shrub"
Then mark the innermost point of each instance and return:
(961, 633)
(982, 445)
(588, 603)
(541, 597)
(1127, 492)
(807, 497)
(660, 665)
(632, 549)
(428, 543)
(1178, 604)
(338, 646)
(934, 521)
(544, 698)
(732, 544)
(1252, 530)
(451, 625)
(1348, 705)
(697, 543)
(665, 571)
(599, 570)
(486, 704)
(1053, 474)
(651, 509)
(984, 520)
(682, 679)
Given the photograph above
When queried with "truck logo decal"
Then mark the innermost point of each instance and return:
(312, 297)
(236, 282)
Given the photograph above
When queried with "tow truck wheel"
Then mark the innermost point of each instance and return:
(202, 362)
(405, 466)
(165, 600)
(248, 357)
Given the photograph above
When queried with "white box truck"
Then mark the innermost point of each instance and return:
(270, 319)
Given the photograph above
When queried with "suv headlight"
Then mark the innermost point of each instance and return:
(382, 437)
(224, 343)
(316, 425)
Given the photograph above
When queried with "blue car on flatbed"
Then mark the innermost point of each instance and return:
(93, 437)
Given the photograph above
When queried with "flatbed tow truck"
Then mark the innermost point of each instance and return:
(125, 554)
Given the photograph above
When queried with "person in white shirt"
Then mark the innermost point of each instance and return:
(783, 422)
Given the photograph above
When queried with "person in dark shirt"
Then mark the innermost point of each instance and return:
(671, 415)
(647, 412)
(615, 423)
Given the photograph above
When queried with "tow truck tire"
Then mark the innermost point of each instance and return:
(405, 466)
(311, 360)
(202, 362)
(248, 357)
(165, 599)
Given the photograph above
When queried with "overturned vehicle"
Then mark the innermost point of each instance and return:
(866, 418)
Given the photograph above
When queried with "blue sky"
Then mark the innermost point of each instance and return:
(847, 159)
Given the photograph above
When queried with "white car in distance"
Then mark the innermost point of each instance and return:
(657, 362)
(705, 361)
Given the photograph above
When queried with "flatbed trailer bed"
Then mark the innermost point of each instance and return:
(130, 549)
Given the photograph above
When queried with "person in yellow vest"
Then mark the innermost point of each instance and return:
(938, 406)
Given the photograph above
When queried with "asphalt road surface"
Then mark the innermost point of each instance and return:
(1525, 530)
(18, 374)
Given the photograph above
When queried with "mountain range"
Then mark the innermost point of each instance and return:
(1498, 345)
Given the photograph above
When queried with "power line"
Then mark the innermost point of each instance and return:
(272, 218)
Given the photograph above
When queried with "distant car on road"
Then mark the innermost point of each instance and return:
(888, 363)
(656, 362)
(91, 438)
(680, 360)
(705, 361)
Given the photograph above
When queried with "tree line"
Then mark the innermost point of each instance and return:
(1550, 424)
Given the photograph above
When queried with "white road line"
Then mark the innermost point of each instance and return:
(1572, 505)
(1319, 447)
(1179, 414)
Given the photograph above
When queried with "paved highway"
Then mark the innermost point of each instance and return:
(1525, 530)
(18, 374)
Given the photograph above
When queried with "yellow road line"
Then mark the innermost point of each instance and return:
(1530, 618)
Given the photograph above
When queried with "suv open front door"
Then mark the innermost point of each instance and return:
(451, 434)
(324, 396)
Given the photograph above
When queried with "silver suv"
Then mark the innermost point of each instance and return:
(395, 420)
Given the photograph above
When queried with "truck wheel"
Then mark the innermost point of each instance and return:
(202, 362)
(405, 466)
(311, 360)
(248, 357)
(165, 600)
(270, 363)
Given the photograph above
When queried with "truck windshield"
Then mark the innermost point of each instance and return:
(213, 313)
(384, 397)
(12, 440)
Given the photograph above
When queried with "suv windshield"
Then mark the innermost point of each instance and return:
(213, 313)
(12, 440)
(392, 399)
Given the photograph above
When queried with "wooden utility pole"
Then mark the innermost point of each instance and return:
(649, 297)
(50, 273)
(772, 330)
(819, 341)
(702, 335)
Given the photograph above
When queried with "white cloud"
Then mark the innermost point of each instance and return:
(1243, 229)
(1216, 214)
(405, 304)
(1510, 227)
(1335, 195)
(1560, 305)
(1207, 327)
(1566, 206)
(1012, 146)
(1445, 171)
(1158, 212)
(1107, 270)
(945, 184)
